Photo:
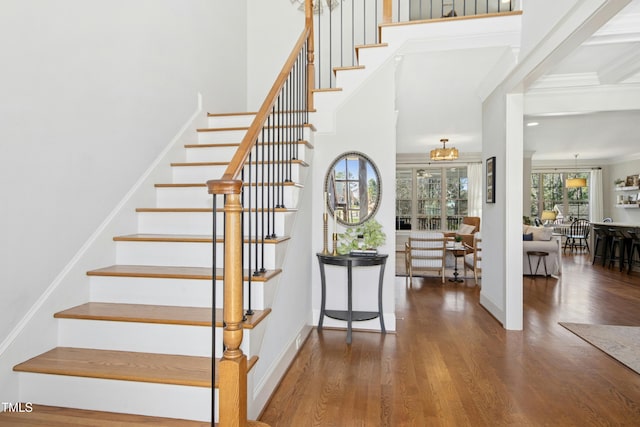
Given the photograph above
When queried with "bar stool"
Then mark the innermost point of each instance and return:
(617, 247)
(634, 247)
(602, 243)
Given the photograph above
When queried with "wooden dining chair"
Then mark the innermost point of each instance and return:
(425, 251)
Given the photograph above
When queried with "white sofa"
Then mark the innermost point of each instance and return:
(545, 241)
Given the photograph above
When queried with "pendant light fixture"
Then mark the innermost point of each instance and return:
(576, 182)
(444, 153)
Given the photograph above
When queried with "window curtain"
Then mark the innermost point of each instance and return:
(596, 211)
(474, 189)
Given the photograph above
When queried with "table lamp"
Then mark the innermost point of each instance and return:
(547, 217)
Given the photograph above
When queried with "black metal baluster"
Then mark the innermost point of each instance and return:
(262, 213)
(290, 129)
(331, 76)
(213, 309)
(319, 50)
(341, 36)
(353, 32)
(364, 21)
(272, 173)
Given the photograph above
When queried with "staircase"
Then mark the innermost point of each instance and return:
(142, 344)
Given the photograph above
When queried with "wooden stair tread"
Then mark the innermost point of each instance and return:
(122, 365)
(54, 416)
(253, 184)
(240, 113)
(186, 238)
(156, 368)
(244, 128)
(372, 45)
(210, 210)
(237, 144)
(160, 314)
(351, 67)
(196, 164)
(328, 89)
(173, 272)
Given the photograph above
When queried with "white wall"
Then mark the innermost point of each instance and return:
(274, 27)
(613, 171)
(365, 123)
(92, 92)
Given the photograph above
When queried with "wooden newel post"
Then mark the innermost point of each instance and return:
(233, 365)
(311, 68)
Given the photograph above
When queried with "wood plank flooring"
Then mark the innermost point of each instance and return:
(451, 364)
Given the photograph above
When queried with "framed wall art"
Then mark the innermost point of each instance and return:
(491, 180)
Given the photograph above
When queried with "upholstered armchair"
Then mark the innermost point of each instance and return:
(469, 226)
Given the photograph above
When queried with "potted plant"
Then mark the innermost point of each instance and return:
(619, 182)
(366, 236)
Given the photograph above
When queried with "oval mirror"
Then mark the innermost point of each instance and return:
(353, 188)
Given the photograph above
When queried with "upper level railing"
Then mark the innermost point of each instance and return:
(341, 26)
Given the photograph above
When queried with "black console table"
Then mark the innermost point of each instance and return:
(349, 315)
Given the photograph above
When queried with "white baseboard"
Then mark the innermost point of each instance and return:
(270, 381)
(492, 308)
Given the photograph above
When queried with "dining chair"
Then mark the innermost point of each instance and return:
(578, 236)
(425, 251)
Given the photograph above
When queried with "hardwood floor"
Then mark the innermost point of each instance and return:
(451, 364)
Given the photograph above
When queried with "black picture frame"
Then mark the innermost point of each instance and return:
(491, 180)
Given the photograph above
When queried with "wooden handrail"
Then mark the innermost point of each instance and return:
(237, 162)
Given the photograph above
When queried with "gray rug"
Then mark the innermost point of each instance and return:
(620, 342)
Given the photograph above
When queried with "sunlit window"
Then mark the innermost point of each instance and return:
(431, 198)
(548, 192)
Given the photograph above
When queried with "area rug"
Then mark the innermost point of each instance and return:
(620, 342)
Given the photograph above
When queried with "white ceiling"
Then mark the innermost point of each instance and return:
(588, 101)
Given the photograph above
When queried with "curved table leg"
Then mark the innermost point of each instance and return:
(324, 292)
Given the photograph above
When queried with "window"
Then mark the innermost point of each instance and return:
(548, 192)
(421, 202)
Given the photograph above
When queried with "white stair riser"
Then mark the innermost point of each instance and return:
(160, 400)
(240, 120)
(175, 292)
(188, 254)
(148, 337)
(201, 223)
(133, 336)
(225, 153)
(349, 78)
(222, 153)
(198, 197)
(236, 135)
(227, 136)
(201, 174)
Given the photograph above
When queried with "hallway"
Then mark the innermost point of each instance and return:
(451, 363)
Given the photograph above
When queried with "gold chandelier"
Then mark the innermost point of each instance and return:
(444, 153)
